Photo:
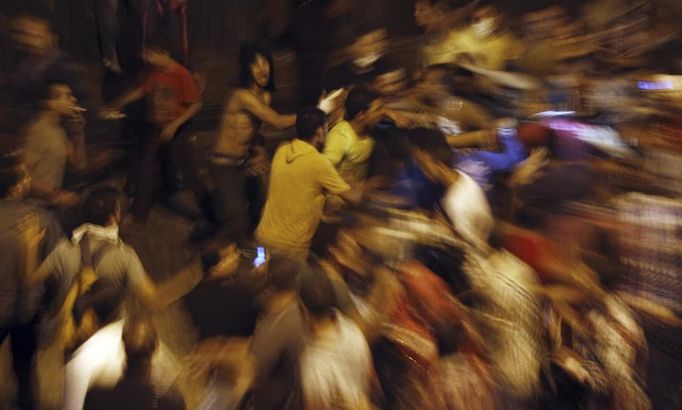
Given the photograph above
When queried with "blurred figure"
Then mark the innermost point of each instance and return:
(301, 176)
(440, 20)
(224, 302)
(43, 63)
(230, 369)
(463, 201)
(21, 306)
(238, 157)
(336, 364)
(278, 339)
(119, 271)
(48, 150)
(365, 58)
(348, 145)
(135, 389)
(486, 41)
(174, 99)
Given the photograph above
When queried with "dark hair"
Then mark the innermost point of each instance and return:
(317, 294)
(162, 43)
(10, 173)
(308, 121)
(100, 204)
(247, 55)
(284, 272)
(140, 341)
(359, 100)
(47, 90)
(433, 142)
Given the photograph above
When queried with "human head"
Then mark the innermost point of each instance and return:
(15, 180)
(158, 52)
(102, 207)
(431, 152)
(390, 81)
(485, 21)
(221, 261)
(362, 106)
(256, 66)
(33, 35)
(432, 15)
(310, 126)
(368, 46)
(140, 341)
(59, 99)
(317, 295)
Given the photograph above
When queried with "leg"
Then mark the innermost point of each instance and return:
(148, 180)
(230, 203)
(24, 344)
(106, 13)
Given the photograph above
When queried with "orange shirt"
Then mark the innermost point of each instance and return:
(170, 93)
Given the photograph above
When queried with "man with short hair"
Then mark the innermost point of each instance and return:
(117, 265)
(19, 305)
(49, 150)
(300, 178)
(349, 145)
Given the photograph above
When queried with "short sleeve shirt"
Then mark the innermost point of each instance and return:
(348, 152)
(170, 93)
(46, 155)
(119, 266)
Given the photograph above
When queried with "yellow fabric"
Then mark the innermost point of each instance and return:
(491, 52)
(73, 334)
(299, 180)
(348, 153)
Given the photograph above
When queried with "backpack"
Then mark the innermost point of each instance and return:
(79, 317)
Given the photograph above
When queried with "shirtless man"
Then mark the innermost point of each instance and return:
(237, 159)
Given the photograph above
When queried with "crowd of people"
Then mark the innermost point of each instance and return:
(499, 229)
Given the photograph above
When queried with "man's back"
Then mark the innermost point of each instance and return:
(300, 177)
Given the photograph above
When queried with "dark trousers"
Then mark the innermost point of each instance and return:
(157, 171)
(24, 338)
(237, 200)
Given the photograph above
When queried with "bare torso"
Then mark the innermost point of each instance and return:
(238, 126)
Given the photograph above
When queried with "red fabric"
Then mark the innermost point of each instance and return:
(536, 251)
(430, 294)
(170, 93)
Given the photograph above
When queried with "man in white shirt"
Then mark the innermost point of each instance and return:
(336, 363)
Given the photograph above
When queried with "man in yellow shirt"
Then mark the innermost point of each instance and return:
(348, 145)
(299, 179)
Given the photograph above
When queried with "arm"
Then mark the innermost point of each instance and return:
(127, 98)
(264, 113)
(352, 196)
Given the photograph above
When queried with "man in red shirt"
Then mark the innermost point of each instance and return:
(173, 98)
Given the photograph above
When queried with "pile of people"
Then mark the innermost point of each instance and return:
(492, 231)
